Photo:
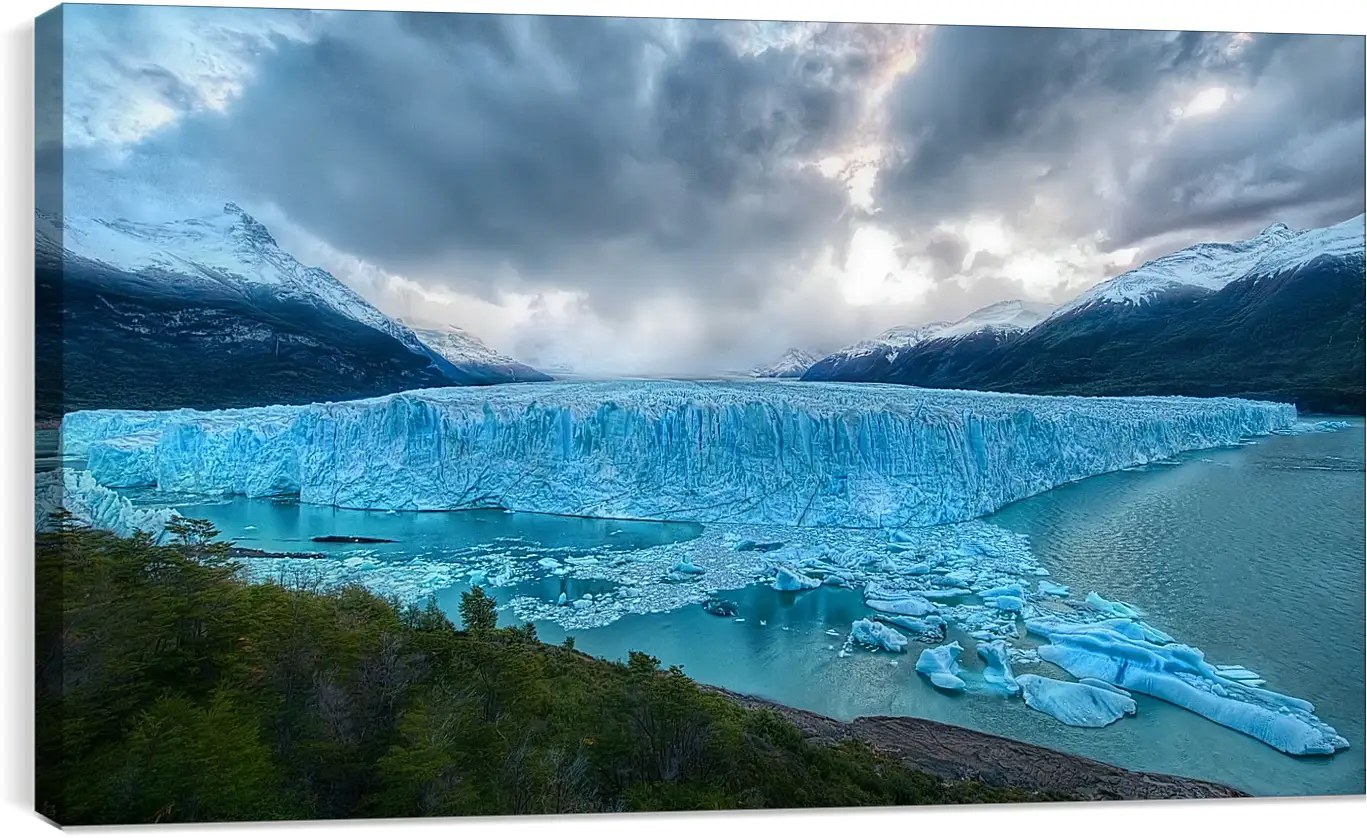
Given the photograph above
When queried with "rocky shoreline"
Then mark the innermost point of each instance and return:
(956, 753)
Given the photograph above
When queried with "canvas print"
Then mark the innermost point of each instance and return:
(450, 414)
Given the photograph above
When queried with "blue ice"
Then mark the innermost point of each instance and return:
(1074, 703)
(788, 579)
(1123, 653)
(997, 671)
(941, 665)
(877, 635)
(828, 454)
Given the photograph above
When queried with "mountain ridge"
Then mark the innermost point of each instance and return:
(210, 312)
(1279, 316)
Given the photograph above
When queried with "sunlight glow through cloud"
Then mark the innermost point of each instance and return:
(1208, 101)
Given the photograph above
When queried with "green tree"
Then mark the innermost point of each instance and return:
(478, 611)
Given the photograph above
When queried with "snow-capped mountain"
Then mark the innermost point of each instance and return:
(1211, 266)
(867, 359)
(792, 365)
(466, 351)
(212, 312)
(1279, 316)
(230, 251)
(1006, 317)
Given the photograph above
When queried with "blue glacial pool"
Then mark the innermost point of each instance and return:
(1253, 554)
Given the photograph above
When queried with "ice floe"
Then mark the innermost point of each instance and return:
(997, 671)
(1050, 589)
(1075, 703)
(1124, 653)
(788, 579)
(878, 635)
(941, 665)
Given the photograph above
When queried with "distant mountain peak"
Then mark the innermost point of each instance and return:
(458, 345)
(251, 229)
(1003, 317)
(792, 365)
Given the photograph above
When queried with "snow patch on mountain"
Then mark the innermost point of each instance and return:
(792, 365)
(1212, 266)
(459, 346)
(1006, 317)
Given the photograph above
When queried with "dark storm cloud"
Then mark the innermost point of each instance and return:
(995, 119)
(947, 255)
(1291, 149)
(619, 155)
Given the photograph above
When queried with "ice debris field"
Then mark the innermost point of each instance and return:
(873, 488)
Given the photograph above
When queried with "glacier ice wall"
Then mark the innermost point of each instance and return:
(820, 454)
(93, 505)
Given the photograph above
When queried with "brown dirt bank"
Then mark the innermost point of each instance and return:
(957, 753)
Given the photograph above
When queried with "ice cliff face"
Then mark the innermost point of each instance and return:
(743, 452)
(93, 505)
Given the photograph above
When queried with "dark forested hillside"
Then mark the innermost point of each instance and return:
(170, 690)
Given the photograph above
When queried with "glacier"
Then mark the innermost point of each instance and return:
(808, 455)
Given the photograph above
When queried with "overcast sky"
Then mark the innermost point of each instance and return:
(649, 196)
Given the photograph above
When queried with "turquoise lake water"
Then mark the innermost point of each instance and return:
(1253, 554)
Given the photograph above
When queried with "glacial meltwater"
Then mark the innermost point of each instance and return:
(1253, 554)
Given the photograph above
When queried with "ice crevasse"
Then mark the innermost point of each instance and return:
(821, 454)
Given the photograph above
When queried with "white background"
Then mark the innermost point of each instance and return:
(1333, 816)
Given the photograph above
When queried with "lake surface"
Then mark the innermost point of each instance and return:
(1253, 554)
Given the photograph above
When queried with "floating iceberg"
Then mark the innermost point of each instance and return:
(1074, 703)
(1005, 603)
(788, 579)
(878, 636)
(941, 665)
(1115, 609)
(1320, 427)
(910, 606)
(931, 629)
(1051, 589)
(820, 454)
(1124, 653)
(997, 672)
